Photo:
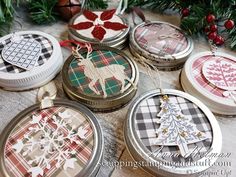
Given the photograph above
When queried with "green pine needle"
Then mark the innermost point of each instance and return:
(6, 16)
(96, 4)
(42, 11)
(199, 9)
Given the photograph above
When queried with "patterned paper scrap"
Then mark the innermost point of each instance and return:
(161, 39)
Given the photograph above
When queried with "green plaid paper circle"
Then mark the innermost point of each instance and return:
(145, 128)
(19, 158)
(46, 53)
(99, 58)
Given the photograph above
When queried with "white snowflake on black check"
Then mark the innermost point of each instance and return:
(50, 142)
(22, 52)
(175, 128)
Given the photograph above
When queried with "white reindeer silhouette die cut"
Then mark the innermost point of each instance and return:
(101, 74)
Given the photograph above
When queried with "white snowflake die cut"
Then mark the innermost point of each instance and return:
(49, 142)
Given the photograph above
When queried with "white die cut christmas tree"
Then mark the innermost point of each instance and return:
(49, 142)
(175, 128)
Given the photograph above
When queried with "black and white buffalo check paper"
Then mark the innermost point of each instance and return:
(46, 53)
(146, 127)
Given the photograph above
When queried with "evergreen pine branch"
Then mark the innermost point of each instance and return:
(42, 11)
(158, 5)
(232, 33)
(6, 16)
(5, 27)
(194, 23)
(96, 4)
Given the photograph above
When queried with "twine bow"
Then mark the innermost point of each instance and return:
(150, 68)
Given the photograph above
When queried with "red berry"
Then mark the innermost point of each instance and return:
(206, 30)
(229, 24)
(210, 18)
(212, 35)
(213, 28)
(219, 40)
(185, 12)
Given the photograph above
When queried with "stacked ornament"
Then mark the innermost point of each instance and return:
(100, 27)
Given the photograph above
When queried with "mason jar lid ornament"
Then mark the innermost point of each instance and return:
(106, 28)
(173, 133)
(28, 59)
(167, 130)
(163, 44)
(52, 138)
(212, 78)
(101, 77)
